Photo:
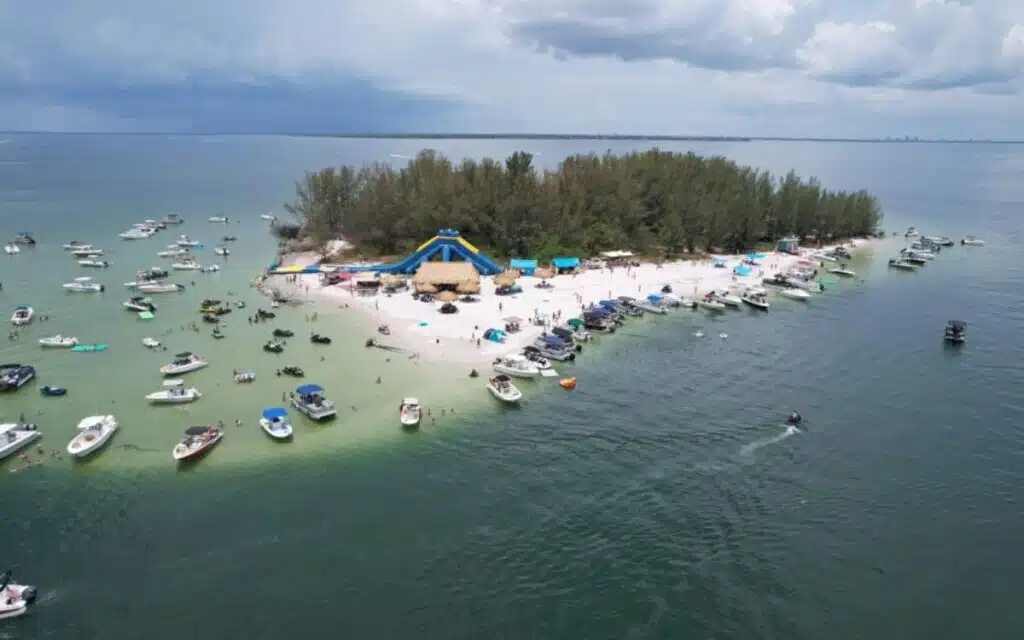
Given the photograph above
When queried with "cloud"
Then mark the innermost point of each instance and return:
(742, 67)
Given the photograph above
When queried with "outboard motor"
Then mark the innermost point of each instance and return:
(29, 594)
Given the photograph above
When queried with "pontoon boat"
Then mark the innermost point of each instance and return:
(309, 399)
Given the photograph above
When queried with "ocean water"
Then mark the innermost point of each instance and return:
(663, 498)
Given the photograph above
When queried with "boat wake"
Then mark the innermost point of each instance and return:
(749, 448)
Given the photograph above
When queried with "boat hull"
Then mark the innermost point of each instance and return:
(518, 373)
(282, 433)
(164, 397)
(182, 453)
(169, 370)
(23, 438)
(513, 396)
(79, 447)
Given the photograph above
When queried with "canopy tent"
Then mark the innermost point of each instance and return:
(565, 265)
(524, 266)
(742, 270)
(789, 245)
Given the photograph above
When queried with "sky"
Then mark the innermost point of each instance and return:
(836, 68)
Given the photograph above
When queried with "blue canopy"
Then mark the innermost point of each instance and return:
(275, 413)
(308, 389)
(609, 304)
(719, 262)
(21, 306)
(756, 256)
(599, 311)
(566, 263)
(526, 267)
(742, 271)
(655, 299)
(25, 233)
(554, 340)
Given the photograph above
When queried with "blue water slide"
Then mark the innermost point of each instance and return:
(446, 249)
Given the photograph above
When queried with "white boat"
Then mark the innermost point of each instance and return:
(89, 262)
(971, 241)
(23, 314)
(310, 400)
(728, 300)
(172, 218)
(410, 413)
(501, 387)
(846, 273)
(276, 424)
(218, 219)
(139, 304)
(150, 343)
(911, 232)
(93, 433)
(794, 294)
(83, 285)
(903, 265)
(184, 362)
(11, 249)
(136, 234)
(173, 253)
(197, 441)
(807, 285)
(160, 287)
(756, 300)
(59, 342)
(186, 265)
(213, 268)
(86, 252)
(517, 366)
(174, 392)
(15, 599)
(15, 437)
(222, 251)
(268, 216)
(711, 305)
(75, 245)
(185, 241)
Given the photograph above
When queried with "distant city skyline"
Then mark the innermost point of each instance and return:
(847, 69)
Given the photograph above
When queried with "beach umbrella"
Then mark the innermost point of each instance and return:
(426, 287)
(506, 277)
(447, 296)
(391, 281)
(512, 319)
(544, 273)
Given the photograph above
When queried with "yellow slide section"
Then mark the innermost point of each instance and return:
(427, 244)
(468, 246)
(461, 240)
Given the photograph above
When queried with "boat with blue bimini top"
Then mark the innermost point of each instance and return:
(310, 400)
(553, 347)
(276, 424)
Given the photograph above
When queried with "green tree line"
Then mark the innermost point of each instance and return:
(652, 202)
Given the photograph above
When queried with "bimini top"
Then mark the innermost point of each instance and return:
(308, 389)
(275, 413)
(554, 341)
(21, 306)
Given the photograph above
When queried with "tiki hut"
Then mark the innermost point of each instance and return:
(447, 296)
(544, 273)
(468, 288)
(392, 281)
(508, 277)
(426, 288)
(446, 275)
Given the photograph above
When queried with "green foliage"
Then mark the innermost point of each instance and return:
(649, 202)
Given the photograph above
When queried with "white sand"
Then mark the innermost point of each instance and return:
(419, 327)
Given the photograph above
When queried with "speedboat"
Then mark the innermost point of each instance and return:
(16, 436)
(268, 216)
(160, 287)
(310, 400)
(245, 376)
(711, 304)
(846, 273)
(175, 252)
(97, 264)
(905, 265)
(534, 355)
(16, 598)
(184, 362)
(197, 441)
(76, 245)
(501, 387)
(956, 332)
(911, 232)
(139, 303)
(24, 237)
(150, 343)
(794, 294)
(410, 413)
(276, 424)
(517, 366)
(83, 285)
(54, 392)
(11, 249)
(213, 268)
(218, 219)
(727, 299)
(971, 241)
(15, 376)
(174, 392)
(86, 252)
(22, 315)
(58, 342)
(756, 300)
(222, 251)
(642, 305)
(138, 233)
(185, 241)
(93, 433)
(186, 265)
(147, 276)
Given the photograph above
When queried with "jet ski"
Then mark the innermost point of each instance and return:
(794, 419)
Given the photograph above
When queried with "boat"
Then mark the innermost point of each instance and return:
(905, 265)
(213, 268)
(138, 233)
(174, 392)
(23, 314)
(268, 216)
(283, 333)
(410, 413)
(197, 441)
(47, 390)
(11, 249)
(217, 333)
(273, 347)
(554, 348)
(150, 343)
(310, 400)
(58, 342)
(316, 338)
(276, 424)
(86, 252)
(83, 285)
(89, 348)
(222, 251)
(17, 598)
(642, 305)
(161, 287)
(176, 252)
(96, 264)
(147, 276)
(972, 241)
(956, 332)
(727, 299)
(93, 433)
(15, 376)
(295, 372)
(172, 218)
(185, 241)
(911, 232)
(756, 300)
(186, 265)
(228, 238)
(794, 294)
(184, 362)
(501, 387)
(24, 237)
(806, 284)
(218, 219)
(844, 272)
(75, 245)
(245, 376)
(711, 304)
(567, 383)
(534, 355)
(517, 366)
(16, 436)
(139, 303)
(578, 335)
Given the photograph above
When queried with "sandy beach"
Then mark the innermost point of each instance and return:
(419, 327)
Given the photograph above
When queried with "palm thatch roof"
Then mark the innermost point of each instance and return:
(544, 273)
(447, 296)
(507, 277)
(466, 288)
(446, 274)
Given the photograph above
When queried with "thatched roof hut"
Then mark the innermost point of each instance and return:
(544, 273)
(392, 281)
(508, 277)
(447, 296)
(446, 274)
(426, 287)
(467, 288)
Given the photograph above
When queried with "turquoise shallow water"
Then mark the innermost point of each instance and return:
(661, 499)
